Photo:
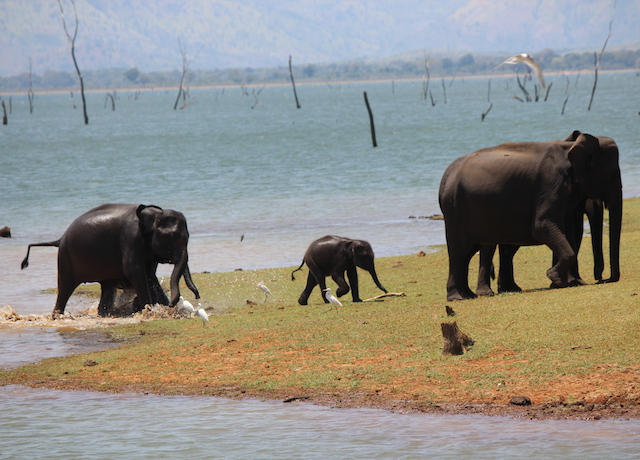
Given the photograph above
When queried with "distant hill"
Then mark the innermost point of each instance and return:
(262, 33)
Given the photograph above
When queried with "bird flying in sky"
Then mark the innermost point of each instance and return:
(528, 60)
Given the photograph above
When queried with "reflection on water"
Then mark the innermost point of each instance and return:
(61, 424)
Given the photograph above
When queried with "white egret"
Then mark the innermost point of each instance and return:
(264, 289)
(185, 304)
(203, 314)
(332, 300)
(528, 60)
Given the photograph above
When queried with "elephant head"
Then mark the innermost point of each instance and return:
(166, 237)
(597, 174)
(363, 257)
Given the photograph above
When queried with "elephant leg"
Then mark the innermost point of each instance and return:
(311, 283)
(107, 297)
(595, 214)
(551, 235)
(157, 294)
(65, 289)
(343, 287)
(485, 271)
(459, 257)
(506, 280)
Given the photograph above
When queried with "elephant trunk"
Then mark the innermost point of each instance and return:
(178, 270)
(614, 205)
(594, 210)
(190, 283)
(375, 280)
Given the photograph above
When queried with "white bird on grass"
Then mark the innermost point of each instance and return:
(185, 304)
(264, 289)
(528, 60)
(203, 314)
(332, 300)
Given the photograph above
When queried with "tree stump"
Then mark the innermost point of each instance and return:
(455, 341)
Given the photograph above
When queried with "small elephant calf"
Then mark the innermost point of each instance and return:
(335, 255)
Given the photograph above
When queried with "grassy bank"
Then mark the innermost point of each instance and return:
(573, 352)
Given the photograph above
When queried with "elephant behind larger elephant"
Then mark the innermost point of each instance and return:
(527, 193)
(120, 246)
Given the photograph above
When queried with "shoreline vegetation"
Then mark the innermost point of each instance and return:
(412, 66)
(571, 352)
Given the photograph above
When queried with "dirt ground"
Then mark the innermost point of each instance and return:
(604, 394)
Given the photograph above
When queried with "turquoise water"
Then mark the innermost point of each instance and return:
(281, 177)
(278, 175)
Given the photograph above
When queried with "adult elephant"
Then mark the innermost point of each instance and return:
(529, 193)
(333, 256)
(120, 246)
(506, 281)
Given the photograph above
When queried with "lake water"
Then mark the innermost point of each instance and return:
(62, 425)
(281, 177)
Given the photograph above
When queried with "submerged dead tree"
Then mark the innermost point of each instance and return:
(185, 68)
(597, 58)
(30, 94)
(371, 123)
(72, 43)
(293, 83)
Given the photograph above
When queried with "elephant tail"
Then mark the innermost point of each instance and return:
(293, 278)
(25, 262)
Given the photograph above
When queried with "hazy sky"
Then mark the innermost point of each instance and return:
(257, 33)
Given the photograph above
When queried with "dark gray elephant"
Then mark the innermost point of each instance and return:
(333, 256)
(506, 281)
(594, 210)
(120, 246)
(522, 194)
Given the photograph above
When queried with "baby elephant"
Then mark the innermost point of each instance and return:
(333, 255)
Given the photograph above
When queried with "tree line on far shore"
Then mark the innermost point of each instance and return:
(358, 69)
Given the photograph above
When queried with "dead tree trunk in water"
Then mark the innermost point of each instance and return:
(72, 43)
(293, 83)
(185, 68)
(373, 127)
(30, 94)
(455, 341)
(598, 57)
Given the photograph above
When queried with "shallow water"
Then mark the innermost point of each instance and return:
(60, 424)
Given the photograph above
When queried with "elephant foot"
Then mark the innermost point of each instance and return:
(484, 291)
(557, 281)
(456, 295)
(577, 282)
(509, 288)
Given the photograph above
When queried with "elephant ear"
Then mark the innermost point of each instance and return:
(582, 155)
(573, 136)
(147, 216)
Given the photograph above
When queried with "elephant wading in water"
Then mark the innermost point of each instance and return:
(523, 194)
(120, 246)
(334, 255)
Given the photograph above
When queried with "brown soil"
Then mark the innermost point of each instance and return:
(605, 393)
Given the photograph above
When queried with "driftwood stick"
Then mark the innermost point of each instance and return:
(388, 294)
(373, 126)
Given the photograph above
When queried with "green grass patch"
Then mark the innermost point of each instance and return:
(563, 343)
